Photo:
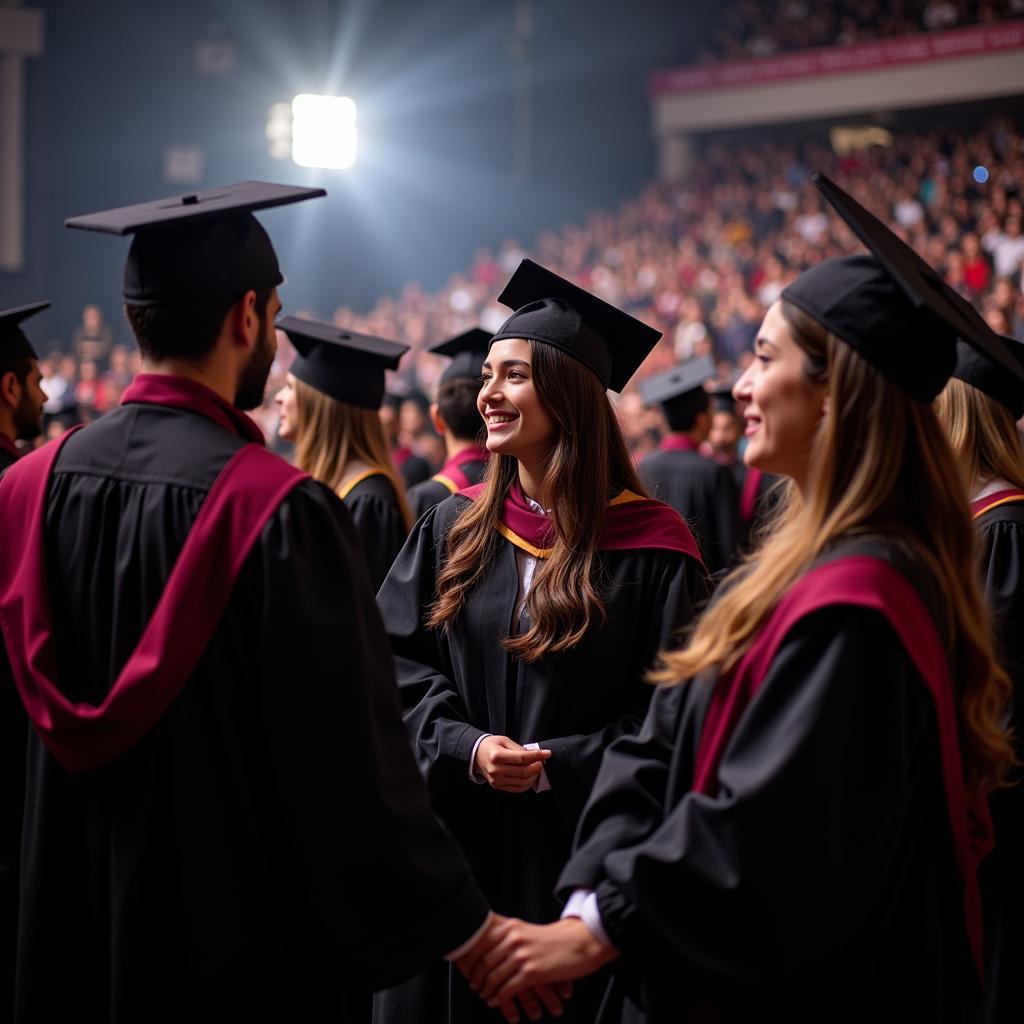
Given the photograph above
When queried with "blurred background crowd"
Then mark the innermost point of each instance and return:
(700, 263)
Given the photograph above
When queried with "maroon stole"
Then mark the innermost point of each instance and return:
(994, 500)
(243, 497)
(748, 495)
(451, 474)
(400, 456)
(864, 582)
(677, 443)
(9, 446)
(630, 523)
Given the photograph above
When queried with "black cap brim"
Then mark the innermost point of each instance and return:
(975, 368)
(193, 207)
(923, 286)
(680, 380)
(467, 351)
(342, 364)
(13, 343)
(556, 312)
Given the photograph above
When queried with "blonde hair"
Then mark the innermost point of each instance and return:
(879, 464)
(332, 434)
(983, 434)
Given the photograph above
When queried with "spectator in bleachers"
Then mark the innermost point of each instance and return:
(93, 337)
(703, 262)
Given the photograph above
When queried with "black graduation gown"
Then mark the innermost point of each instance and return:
(414, 470)
(818, 885)
(378, 522)
(457, 686)
(432, 492)
(703, 493)
(765, 501)
(268, 849)
(1002, 875)
(6, 459)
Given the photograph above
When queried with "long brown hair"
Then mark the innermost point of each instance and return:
(983, 434)
(879, 464)
(332, 434)
(588, 464)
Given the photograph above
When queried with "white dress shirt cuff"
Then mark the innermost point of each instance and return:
(474, 776)
(542, 785)
(583, 904)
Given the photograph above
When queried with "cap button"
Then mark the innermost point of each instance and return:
(189, 200)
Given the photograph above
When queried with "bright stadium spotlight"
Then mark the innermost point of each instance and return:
(323, 131)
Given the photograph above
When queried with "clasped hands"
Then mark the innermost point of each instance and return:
(533, 964)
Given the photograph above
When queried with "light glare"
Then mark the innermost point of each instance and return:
(323, 131)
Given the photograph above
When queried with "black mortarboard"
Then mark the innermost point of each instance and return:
(856, 299)
(892, 307)
(340, 363)
(13, 343)
(201, 244)
(556, 312)
(979, 371)
(680, 380)
(466, 351)
(722, 401)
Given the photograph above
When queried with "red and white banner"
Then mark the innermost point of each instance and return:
(973, 41)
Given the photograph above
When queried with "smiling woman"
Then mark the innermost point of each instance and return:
(524, 613)
(784, 389)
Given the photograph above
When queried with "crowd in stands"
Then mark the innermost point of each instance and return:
(701, 263)
(752, 28)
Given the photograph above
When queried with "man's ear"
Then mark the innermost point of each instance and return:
(243, 320)
(435, 417)
(10, 389)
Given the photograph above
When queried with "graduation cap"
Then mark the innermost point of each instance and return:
(340, 363)
(980, 372)
(722, 401)
(467, 351)
(554, 311)
(13, 343)
(683, 379)
(891, 306)
(202, 244)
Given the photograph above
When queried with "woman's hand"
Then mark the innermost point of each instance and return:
(507, 766)
(524, 956)
(534, 1002)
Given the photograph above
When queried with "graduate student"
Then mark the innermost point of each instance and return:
(979, 408)
(523, 612)
(219, 815)
(329, 409)
(699, 489)
(414, 468)
(457, 419)
(756, 492)
(794, 832)
(21, 396)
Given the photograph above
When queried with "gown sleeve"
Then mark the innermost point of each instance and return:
(381, 531)
(366, 847)
(629, 794)
(1003, 563)
(726, 515)
(678, 586)
(819, 786)
(13, 732)
(435, 712)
